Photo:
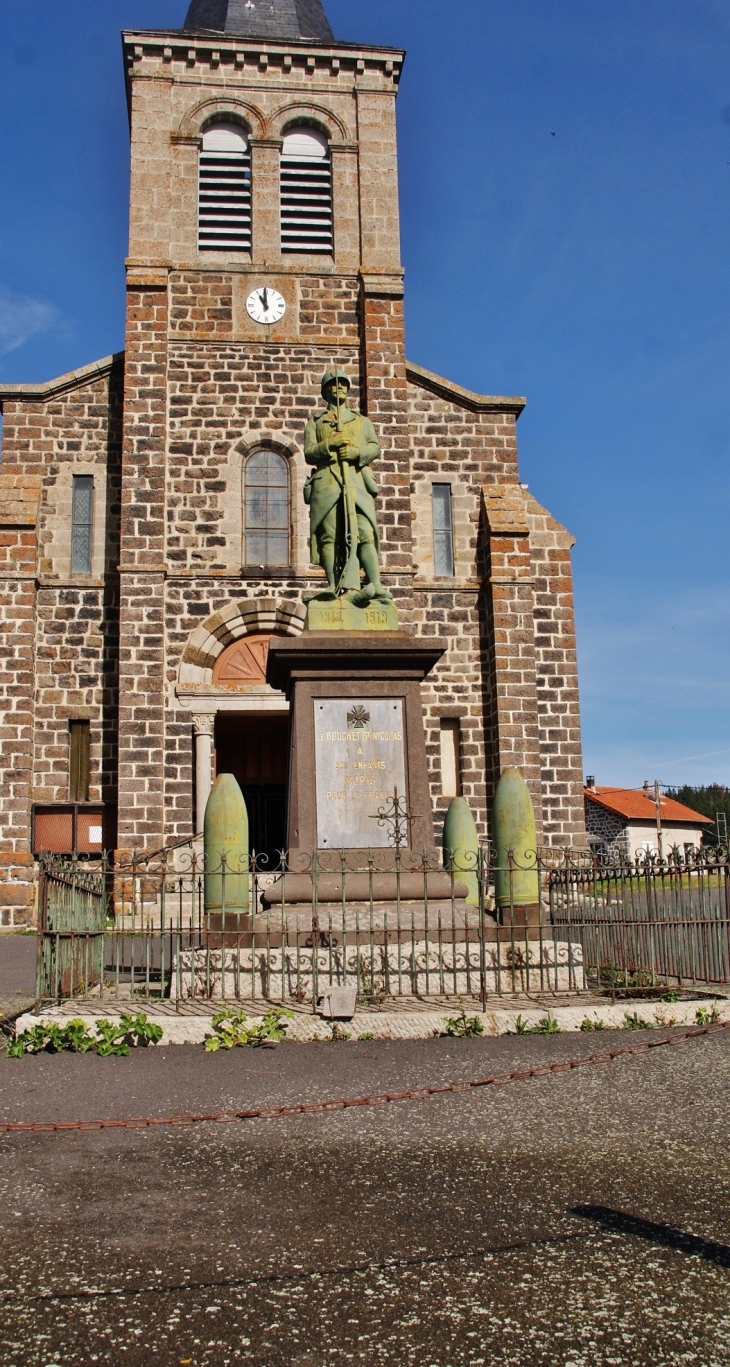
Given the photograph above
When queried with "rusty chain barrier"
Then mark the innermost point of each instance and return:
(461, 1088)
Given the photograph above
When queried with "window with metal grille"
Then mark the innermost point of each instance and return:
(443, 536)
(267, 509)
(224, 190)
(82, 511)
(306, 192)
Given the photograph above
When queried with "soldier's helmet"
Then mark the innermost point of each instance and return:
(330, 375)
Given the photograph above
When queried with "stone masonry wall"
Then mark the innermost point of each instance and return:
(607, 826)
(453, 444)
(510, 674)
(61, 627)
(17, 607)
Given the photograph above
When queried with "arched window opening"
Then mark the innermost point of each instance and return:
(306, 192)
(267, 510)
(224, 190)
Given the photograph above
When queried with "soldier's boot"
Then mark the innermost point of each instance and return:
(371, 566)
(327, 561)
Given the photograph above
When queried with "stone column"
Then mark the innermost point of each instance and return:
(203, 727)
(142, 565)
(514, 725)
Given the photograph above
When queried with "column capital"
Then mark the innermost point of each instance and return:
(203, 723)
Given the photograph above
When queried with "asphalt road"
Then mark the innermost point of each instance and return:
(17, 972)
(576, 1219)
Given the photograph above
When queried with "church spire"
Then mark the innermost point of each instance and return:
(261, 18)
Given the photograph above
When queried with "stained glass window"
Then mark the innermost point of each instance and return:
(82, 507)
(267, 510)
(443, 536)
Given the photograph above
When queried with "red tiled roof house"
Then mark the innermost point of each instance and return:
(626, 819)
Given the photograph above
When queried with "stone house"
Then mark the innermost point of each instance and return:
(624, 821)
(153, 530)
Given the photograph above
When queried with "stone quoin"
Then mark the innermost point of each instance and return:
(152, 516)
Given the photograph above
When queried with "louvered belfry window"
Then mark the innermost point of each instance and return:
(306, 192)
(224, 190)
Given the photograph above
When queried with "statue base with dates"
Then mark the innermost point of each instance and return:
(351, 612)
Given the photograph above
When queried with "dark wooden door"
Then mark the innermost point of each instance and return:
(256, 751)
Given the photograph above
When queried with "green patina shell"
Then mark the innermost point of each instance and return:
(461, 847)
(516, 878)
(225, 845)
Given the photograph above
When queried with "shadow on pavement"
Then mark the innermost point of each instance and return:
(621, 1223)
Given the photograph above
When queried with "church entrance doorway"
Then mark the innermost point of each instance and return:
(255, 750)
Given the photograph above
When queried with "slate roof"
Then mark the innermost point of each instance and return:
(261, 18)
(633, 803)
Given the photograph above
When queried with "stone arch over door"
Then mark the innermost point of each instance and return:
(245, 617)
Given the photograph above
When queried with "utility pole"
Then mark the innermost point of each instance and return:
(657, 799)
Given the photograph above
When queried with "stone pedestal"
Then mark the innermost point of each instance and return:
(356, 734)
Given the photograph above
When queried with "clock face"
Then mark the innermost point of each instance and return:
(266, 305)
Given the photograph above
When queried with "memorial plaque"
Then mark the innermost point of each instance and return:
(359, 760)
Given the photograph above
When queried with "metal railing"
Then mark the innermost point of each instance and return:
(388, 923)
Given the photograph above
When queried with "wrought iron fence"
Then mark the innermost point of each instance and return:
(647, 922)
(388, 923)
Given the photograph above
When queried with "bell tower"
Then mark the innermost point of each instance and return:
(264, 249)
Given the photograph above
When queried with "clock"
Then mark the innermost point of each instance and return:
(265, 305)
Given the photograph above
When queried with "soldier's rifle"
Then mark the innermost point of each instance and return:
(350, 577)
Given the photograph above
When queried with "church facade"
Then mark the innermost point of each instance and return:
(152, 518)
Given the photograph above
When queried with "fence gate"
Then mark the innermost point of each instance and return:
(72, 919)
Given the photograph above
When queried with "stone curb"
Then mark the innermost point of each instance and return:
(385, 1025)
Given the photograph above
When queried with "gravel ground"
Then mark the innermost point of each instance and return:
(576, 1219)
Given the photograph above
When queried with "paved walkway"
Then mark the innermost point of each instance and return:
(576, 1219)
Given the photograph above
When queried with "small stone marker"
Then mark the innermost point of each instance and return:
(338, 1003)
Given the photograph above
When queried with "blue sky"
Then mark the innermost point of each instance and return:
(565, 190)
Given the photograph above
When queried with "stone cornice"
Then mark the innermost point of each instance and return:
(181, 40)
(220, 49)
(50, 388)
(465, 398)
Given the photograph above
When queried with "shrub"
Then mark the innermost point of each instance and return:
(545, 1026)
(462, 1026)
(703, 1016)
(233, 1029)
(111, 1038)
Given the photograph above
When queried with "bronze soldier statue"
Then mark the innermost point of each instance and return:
(341, 493)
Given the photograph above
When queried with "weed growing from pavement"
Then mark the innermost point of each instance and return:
(112, 1038)
(633, 1021)
(463, 1026)
(671, 996)
(545, 1026)
(233, 1029)
(705, 1016)
(338, 1034)
(588, 1024)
